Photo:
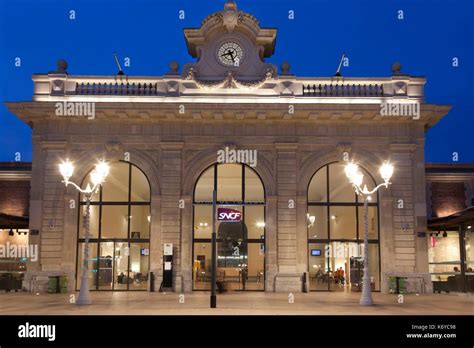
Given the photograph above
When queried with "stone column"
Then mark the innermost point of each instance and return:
(187, 243)
(171, 164)
(36, 208)
(53, 197)
(408, 190)
(387, 240)
(419, 196)
(301, 235)
(271, 253)
(403, 217)
(156, 255)
(71, 211)
(287, 279)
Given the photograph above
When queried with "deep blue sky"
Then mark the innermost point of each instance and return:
(150, 33)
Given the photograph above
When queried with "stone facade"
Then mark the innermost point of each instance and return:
(173, 126)
(173, 167)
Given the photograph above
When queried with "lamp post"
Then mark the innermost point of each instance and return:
(356, 177)
(97, 178)
(213, 298)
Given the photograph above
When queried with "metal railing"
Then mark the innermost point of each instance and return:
(142, 89)
(343, 90)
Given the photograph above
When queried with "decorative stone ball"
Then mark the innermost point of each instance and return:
(285, 67)
(230, 5)
(396, 68)
(174, 66)
(61, 65)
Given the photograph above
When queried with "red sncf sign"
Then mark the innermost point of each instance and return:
(228, 215)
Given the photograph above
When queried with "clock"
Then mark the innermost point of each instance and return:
(230, 54)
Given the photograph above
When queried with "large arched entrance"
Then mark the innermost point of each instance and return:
(335, 232)
(240, 228)
(119, 241)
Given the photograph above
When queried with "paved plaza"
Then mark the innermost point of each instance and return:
(236, 303)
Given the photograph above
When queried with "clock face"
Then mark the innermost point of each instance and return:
(230, 54)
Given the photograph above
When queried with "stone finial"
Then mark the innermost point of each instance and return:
(396, 68)
(285, 68)
(230, 5)
(61, 66)
(230, 16)
(174, 66)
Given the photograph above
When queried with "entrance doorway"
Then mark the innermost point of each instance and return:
(338, 266)
(119, 231)
(241, 242)
(335, 220)
(451, 260)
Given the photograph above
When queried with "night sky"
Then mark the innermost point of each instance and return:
(431, 34)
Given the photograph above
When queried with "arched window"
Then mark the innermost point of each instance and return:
(119, 231)
(336, 231)
(241, 242)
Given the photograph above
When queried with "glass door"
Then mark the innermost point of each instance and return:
(121, 274)
(445, 261)
(240, 228)
(232, 255)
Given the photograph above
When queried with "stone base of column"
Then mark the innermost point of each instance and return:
(37, 281)
(288, 282)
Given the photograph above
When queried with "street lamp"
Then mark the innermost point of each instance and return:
(356, 177)
(213, 298)
(97, 178)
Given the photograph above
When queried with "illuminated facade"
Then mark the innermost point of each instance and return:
(162, 136)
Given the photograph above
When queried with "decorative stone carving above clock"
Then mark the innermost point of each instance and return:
(230, 16)
(230, 41)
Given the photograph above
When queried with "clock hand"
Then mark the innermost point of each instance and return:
(231, 55)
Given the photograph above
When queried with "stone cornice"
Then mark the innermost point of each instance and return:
(31, 112)
(54, 145)
(403, 147)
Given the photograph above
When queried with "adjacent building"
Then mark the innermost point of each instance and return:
(14, 211)
(450, 194)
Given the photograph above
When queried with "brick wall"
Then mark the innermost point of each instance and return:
(447, 198)
(15, 197)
